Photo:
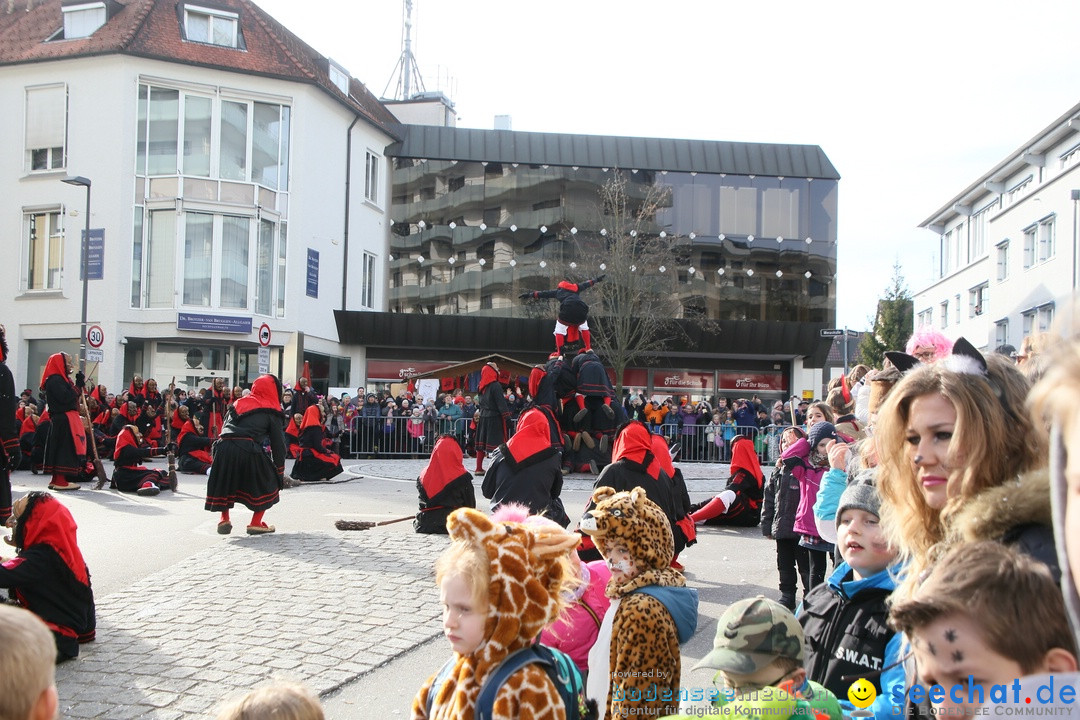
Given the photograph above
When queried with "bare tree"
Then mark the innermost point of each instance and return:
(634, 311)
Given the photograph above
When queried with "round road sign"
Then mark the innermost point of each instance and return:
(264, 335)
(95, 336)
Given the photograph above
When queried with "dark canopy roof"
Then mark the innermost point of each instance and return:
(418, 336)
(508, 365)
(706, 156)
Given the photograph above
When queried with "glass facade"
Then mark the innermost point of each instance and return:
(468, 237)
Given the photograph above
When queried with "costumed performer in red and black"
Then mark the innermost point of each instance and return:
(48, 575)
(739, 503)
(444, 486)
(65, 448)
(193, 449)
(573, 311)
(634, 464)
(129, 475)
(242, 472)
(315, 462)
(10, 454)
(527, 470)
(491, 431)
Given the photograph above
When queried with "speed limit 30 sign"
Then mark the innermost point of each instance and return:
(95, 336)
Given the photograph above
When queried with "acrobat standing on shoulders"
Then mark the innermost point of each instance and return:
(573, 311)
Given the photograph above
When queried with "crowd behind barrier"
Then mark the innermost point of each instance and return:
(403, 438)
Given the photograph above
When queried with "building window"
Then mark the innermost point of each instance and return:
(83, 19)
(977, 300)
(367, 289)
(137, 257)
(956, 310)
(485, 302)
(1001, 333)
(224, 261)
(44, 250)
(1045, 315)
(1039, 242)
(175, 135)
(977, 232)
(1003, 261)
(1019, 190)
(1028, 319)
(945, 314)
(946, 252)
(46, 127)
(211, 26)
(340, 77)
(371, 178)
(926, 317)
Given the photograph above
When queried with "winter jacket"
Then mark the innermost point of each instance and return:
(780, 504)
(796, 457)
(576, 629)
(844, 621)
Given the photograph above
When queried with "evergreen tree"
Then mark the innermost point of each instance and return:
(893, 324)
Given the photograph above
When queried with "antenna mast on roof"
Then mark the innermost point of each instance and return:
(406, 72)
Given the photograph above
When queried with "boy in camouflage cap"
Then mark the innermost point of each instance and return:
(758, 651)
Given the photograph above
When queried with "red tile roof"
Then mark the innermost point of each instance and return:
(152, 29)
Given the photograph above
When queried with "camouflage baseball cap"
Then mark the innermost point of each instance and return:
(751, 634)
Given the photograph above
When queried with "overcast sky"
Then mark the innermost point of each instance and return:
(911, 102)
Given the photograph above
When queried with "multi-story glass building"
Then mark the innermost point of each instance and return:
(478, 216)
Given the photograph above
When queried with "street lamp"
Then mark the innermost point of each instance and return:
(85, 245)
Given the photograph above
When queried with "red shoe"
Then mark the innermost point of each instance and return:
(676, 565)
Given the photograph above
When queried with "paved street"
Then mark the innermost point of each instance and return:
(187, 618)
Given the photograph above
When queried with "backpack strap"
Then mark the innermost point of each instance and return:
(588, 609)
(436, 685)
(485, 701)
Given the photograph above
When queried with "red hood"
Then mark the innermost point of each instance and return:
(447, 464)
(567, 285)
(488, 375)
(312, 418)
(189, 427)
(56, 365)
(28, 425)
(632, 443)
(265, 393)
(532, 435)
(123, 440)
(52, 524)
(663, 456)
(743, 457)
(132, 390)
(535, 377)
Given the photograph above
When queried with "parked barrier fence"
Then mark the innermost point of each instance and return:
(401, 437)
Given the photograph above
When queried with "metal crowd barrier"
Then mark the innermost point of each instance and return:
(391, 437)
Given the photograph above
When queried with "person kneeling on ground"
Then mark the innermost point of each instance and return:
(739, 503)
(48, 575)
(444, 486)
(128, 474)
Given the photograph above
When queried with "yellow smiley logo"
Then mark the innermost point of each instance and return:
(862, 693)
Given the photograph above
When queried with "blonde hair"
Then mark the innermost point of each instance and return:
(1056, 398)
(27, 661)
(993, 432)
(470, 562)
(280, 701)
(1001, 590)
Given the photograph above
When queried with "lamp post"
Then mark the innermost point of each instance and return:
(85, 247)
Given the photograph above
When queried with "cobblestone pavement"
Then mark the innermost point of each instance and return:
(322, 608)
(179, 642)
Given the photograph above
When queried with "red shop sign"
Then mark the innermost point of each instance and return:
(400, 369)
(770, 381)
(679, 380)
(632, 377)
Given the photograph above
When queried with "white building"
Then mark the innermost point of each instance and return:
(237, 176)
(1008, 259)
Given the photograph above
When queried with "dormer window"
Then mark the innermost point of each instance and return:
(211, 26)
(82, 19)
(340, 77)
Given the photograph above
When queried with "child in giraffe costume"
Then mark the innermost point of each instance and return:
(500, 583)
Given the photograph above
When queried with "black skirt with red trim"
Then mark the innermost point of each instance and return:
(243, 473)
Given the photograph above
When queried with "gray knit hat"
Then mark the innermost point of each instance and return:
(861, 496)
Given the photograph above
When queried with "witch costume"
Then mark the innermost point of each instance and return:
(314, 463)
(528, 470)
(444, 485)
(242, 472)
(48, 576)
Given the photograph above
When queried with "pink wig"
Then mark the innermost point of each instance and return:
(515, 512)
(925, 336)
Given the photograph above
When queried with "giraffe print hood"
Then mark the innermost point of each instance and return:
(528, 573)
